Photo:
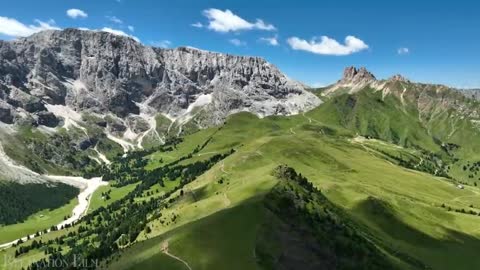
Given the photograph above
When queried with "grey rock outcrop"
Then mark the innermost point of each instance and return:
(352, 75)
(471, 93)
(110, 74)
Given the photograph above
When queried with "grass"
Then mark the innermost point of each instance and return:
(347, 174)
(157, 190)
(233, 231)
(36, 222)
(9, 262)
(215, 223)
(116, 194)
(184, 148)
(160, 262)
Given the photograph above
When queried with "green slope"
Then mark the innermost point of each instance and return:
(378, 190)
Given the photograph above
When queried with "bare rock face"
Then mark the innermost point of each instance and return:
(108, 74)
(353, 79)
(399, 78)
(471, 93)
(5, 113)
(352, 75)
(47, 119)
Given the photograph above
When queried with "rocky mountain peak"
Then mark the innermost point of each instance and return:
(399, 78)
(353, 75)
(104, 73)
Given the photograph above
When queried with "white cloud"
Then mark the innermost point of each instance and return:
(131, 28)
(162, 43)
(197, 25)
(119, 33)
(237, 42)
(114, 19)
(14, 28)
(328, 46)
(270, 40)
(403, 51)
(226, 21)
(76, 13)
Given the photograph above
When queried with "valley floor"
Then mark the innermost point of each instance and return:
(87, 187)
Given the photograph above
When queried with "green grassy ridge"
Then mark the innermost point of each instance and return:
(199, 243)
(384, 219)
(370, 114)
(395, 118)
(241, 237)
(307, 231)
(346, 173)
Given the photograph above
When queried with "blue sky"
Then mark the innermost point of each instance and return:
(427, 42)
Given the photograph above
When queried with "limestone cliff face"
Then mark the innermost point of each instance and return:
(109, 74)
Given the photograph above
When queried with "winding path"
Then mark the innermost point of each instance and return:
(165, 251)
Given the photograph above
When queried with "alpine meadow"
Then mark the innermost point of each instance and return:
(125, 146)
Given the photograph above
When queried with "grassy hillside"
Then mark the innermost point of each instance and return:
(349, 174)
(195, 203)
(20, 201)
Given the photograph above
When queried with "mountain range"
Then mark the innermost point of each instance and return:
(214, 161)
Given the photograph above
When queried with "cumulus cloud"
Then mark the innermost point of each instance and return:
(114, 19)
(237, 42)
(227, 21)
(119, 33)
(328, 46)
(14, 28)
(270, 40)
(162, 43)
(75, 13)
(197, 25)
(403, 51)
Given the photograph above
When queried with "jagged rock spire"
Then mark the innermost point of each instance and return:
(352, 75)
(399, 78)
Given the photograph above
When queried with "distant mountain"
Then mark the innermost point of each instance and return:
(471, 93)
(401, 111)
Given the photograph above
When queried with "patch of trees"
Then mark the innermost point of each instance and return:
(107, 229)
(461, 210)
(450, 148)
(288, 173)
(472, 170)
(430, 163)
(131, 169)
(20, 201)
